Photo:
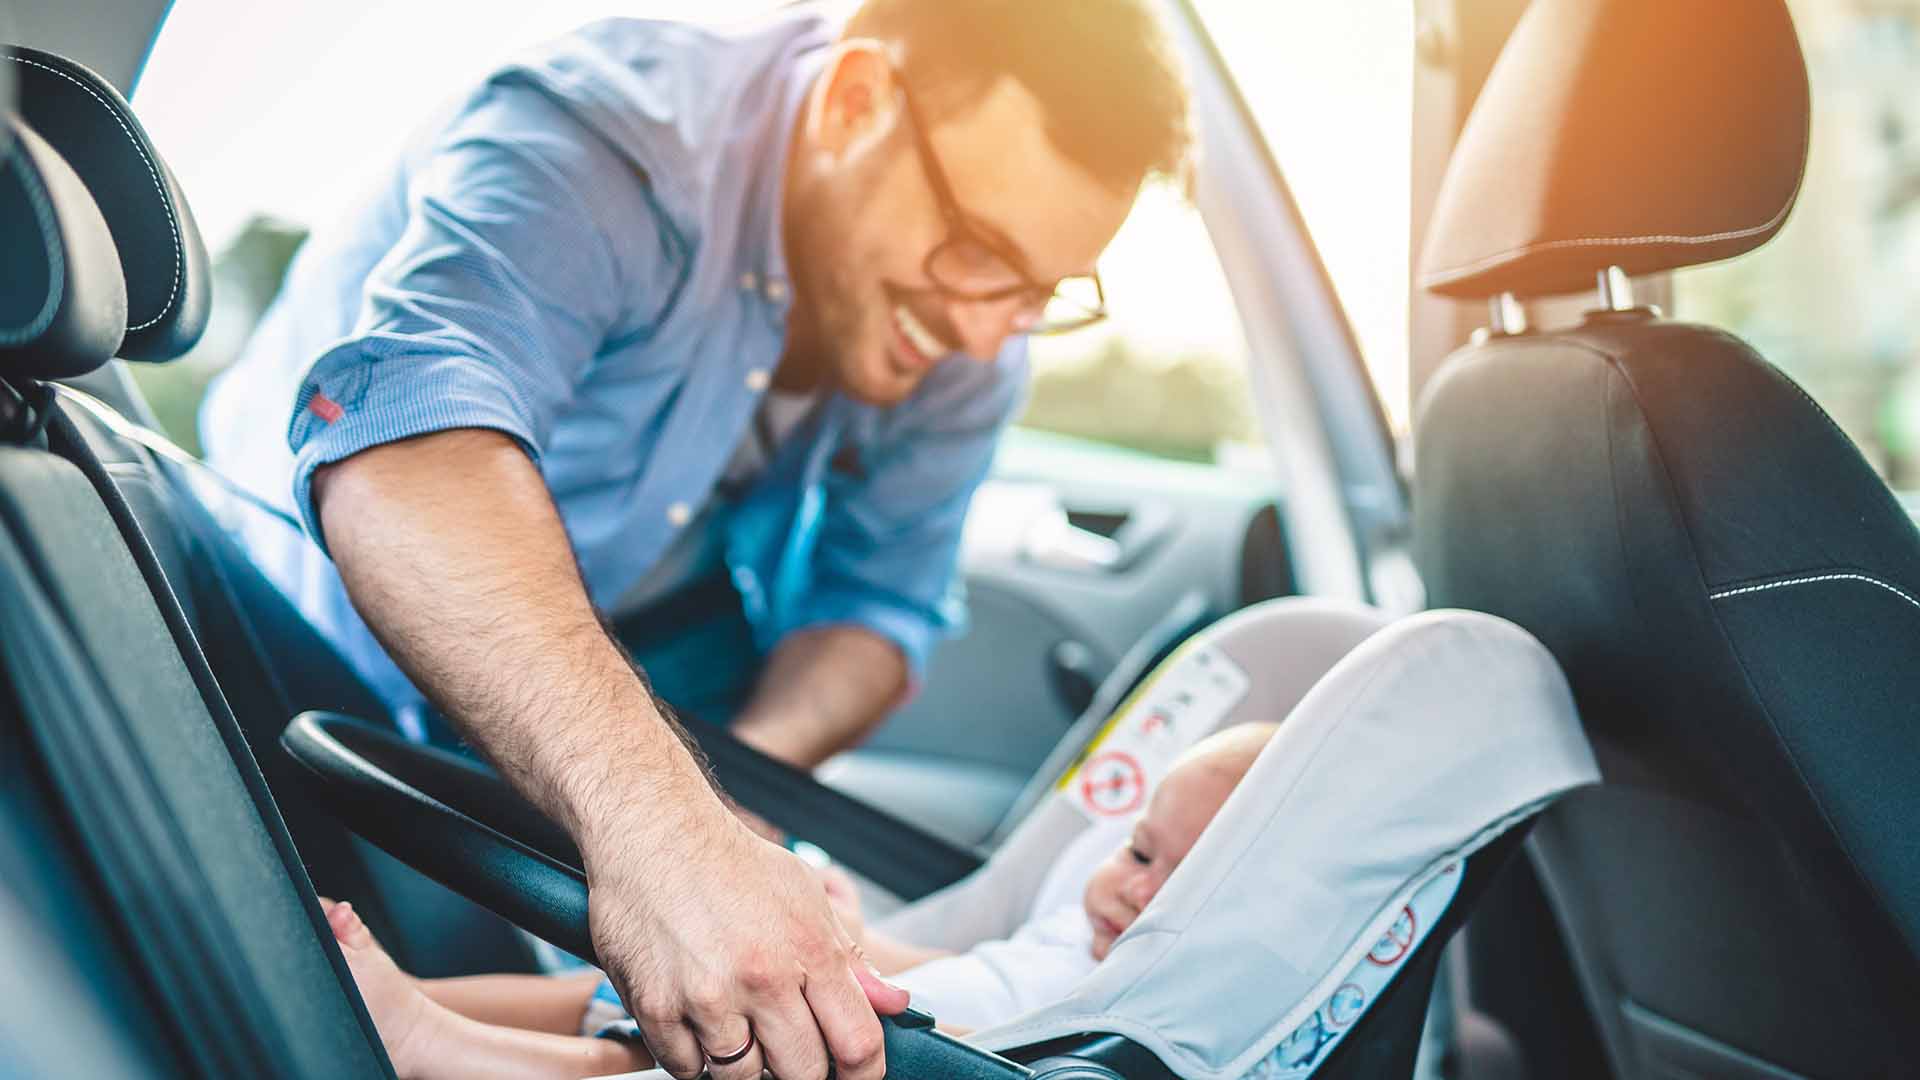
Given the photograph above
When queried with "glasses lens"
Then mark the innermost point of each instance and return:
(967, 266)
(1075, 303)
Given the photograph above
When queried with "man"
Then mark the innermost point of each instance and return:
(660, 308)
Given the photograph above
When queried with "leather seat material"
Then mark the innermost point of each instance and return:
(268, 663)
(164, 262)
(285, 974)
(63, 305)
(1640, 880)
(271, 665)
(1646, 134)
(1667, 512)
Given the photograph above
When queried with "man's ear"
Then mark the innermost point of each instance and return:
(856, 100)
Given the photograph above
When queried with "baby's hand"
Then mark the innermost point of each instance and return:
(844, 896)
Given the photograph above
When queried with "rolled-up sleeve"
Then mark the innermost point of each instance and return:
(890, 532)
(526, 241)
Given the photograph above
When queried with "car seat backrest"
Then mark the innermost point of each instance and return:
(1734, 595)
(212, 911)
(266, 663)
(209, 911)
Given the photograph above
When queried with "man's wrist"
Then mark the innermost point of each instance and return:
(643, 784)
(667, 818)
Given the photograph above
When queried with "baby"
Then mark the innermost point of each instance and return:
(532, 1025)
(1094, 891)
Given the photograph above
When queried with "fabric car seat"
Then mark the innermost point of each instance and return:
(267, 662)
(1732, 592)
(207, 943)
(1402, 751)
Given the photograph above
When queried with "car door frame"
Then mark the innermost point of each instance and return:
(1344, 505)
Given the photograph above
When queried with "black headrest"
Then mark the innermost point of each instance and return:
(63, 309)
(1643, 134)
(165, 265)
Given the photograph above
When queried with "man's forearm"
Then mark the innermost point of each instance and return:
(823, 689)
(452, 552)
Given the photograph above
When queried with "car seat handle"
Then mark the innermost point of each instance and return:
(456, 821)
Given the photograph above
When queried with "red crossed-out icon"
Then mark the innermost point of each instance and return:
(1113, 783)
(1396, 941)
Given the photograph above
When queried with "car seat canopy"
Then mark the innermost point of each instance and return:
(1426, 742)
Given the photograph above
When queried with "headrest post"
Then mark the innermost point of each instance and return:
(1616, 291)
(1509, 315)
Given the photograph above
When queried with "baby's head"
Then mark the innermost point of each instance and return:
(1185, 801)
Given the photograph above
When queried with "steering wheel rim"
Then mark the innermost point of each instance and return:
(458, 822)
(369, 776)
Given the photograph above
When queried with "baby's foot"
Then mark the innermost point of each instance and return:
(405, 1017)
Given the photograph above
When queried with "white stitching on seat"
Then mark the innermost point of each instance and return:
(1743, 590)
(1451, 273)
(165, 203)
(1441, 277)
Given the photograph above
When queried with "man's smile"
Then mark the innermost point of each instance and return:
(916, 346)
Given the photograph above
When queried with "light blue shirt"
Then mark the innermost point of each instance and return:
(585, 253)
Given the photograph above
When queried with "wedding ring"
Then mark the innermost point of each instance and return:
(728, 1059)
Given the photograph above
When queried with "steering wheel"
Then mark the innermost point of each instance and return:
(459, 823)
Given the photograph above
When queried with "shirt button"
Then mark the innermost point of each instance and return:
(777, 291)
(758, 379)
(679, 514)
(749, 281)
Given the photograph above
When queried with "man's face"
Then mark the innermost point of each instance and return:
(862, 217)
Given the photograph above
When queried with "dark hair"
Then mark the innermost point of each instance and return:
(1113, 92)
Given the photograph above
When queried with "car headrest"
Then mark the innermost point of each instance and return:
(162, 259)
(1643, 134)
(63, 308)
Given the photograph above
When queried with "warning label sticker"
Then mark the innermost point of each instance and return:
(1187, 698)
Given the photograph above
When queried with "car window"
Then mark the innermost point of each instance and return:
(1166, 372)
(1834, 300)
(1331, 86)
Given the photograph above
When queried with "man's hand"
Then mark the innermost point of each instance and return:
(703, 909)
(453, 553)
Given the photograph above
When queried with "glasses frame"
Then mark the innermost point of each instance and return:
(961, 229)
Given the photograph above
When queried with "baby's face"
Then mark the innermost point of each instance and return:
(1186, 800)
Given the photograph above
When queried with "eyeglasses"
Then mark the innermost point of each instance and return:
(975, 265)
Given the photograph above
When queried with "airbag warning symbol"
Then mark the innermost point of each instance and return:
(1113, 783)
